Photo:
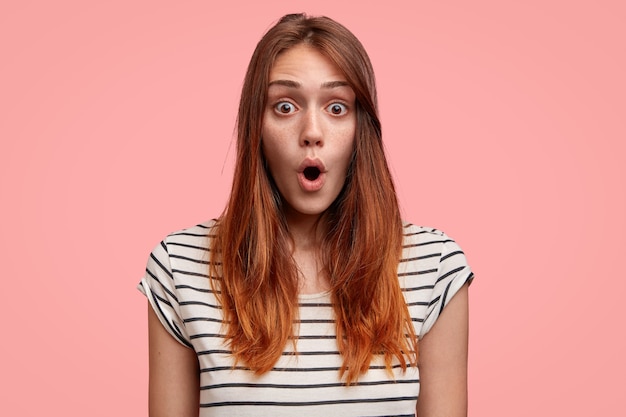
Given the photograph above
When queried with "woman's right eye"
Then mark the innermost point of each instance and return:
(284, 107)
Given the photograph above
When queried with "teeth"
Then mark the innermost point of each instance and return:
(311, 173)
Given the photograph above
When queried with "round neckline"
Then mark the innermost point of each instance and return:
(314, 296)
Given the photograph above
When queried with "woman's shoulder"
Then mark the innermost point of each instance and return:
(192, 241)
(422, 234)
(420, 242)
(432, 269)
(200, 229)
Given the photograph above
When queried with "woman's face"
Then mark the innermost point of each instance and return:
(308, 130)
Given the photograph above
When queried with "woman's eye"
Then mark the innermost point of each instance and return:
(337, 109)
(284, 107)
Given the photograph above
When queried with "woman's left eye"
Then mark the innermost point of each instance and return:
(337, 109)
(285, 107)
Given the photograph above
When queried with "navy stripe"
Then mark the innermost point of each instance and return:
(186, 245)
(186, 258)
(308, 386)
(309, 403)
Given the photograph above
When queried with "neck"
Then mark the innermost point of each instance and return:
(306, 232)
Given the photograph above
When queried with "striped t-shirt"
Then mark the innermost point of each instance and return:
(432, 269)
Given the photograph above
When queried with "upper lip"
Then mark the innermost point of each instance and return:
(311, 162)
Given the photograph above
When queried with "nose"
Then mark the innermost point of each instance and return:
(311, 134)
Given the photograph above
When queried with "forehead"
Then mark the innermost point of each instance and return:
(305, 61)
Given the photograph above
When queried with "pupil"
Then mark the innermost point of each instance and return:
(284, 108)
(336, 109)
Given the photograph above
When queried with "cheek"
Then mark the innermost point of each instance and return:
(268, 143)
(347, 148)
(272, 137)
(274, 156)
(269, 154)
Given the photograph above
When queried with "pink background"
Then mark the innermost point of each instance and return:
(505, 127)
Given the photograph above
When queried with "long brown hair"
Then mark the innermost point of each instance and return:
(256, 278)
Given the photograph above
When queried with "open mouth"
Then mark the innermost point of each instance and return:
(311, 173)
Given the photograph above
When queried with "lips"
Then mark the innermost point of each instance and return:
(311, 174)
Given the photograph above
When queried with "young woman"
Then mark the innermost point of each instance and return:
(309, 295)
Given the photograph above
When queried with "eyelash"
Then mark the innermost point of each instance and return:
(279, 104)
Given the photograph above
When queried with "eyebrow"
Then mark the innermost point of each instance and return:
(295, 84)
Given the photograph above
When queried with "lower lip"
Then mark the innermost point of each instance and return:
(311, 185)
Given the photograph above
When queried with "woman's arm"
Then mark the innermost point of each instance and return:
(443, 362)
(174, 388)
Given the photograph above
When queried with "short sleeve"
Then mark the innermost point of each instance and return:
(159, 287)
(452, 273)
